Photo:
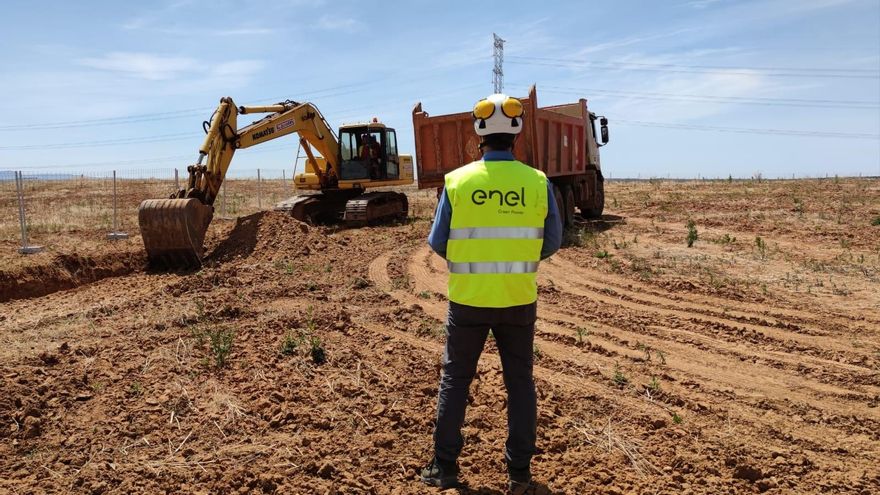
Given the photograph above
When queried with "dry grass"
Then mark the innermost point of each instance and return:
(86, 204)
(613, 440)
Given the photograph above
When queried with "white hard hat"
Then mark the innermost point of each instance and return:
(498, 114)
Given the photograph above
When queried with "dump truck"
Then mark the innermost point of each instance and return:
(559, 140)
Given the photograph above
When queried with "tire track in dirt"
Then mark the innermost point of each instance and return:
(732, 330)
(428, 272)
(569, 366)
(855, 319)
(741, 311)
(844, 379)
(423, 267)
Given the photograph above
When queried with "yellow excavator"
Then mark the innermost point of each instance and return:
(364, 156)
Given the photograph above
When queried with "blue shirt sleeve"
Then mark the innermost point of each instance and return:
(552, 226)
(439, 235)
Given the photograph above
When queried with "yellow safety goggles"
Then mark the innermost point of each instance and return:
(512, 108)
(484, 109)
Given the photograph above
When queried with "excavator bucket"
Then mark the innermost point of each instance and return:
(174, 230)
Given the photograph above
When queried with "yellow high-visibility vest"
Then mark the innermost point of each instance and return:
(496, 233)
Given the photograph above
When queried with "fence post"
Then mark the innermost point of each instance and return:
(176, 182)
(25, 248)
(115, 234)
(259, 191)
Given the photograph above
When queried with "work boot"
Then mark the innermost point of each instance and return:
(441, 474)
(526, 488)
(521, 483)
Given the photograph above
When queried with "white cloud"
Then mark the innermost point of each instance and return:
(141, 65)
(239, 32)
(237, 68)
(153, 67)
(732, 84)
(702, 4)
(346, 24)
(630, 40)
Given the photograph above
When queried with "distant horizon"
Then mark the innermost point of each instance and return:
(276, 174)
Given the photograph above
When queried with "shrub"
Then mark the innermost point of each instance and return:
(692, 233)
(221, 344)
(319, 356)
(762, 247)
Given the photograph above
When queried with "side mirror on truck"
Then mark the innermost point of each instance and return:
(603, 130)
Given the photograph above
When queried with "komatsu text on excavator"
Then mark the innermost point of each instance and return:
(364, 156)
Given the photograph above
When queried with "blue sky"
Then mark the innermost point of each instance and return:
(156, 69)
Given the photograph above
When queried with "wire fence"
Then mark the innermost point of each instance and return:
(104, 202)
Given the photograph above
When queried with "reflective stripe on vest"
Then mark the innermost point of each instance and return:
(482, 267)
(496, 233)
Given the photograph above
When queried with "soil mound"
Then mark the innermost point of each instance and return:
(66, 271)
(266, 236)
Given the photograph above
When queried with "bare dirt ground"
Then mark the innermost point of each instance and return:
(306, 359)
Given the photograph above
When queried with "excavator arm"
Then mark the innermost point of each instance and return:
(223, 138)
(173, 229)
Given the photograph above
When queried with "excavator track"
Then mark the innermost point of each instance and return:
(173, 231)
(354, 209)
(315, 209)
(376, 207)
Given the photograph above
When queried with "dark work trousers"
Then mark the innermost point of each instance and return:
(466, 330)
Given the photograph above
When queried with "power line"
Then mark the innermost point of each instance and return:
(718, 67)
(744, 130)
(157, 116)
(745, 100)
(150, 117)
(698, 69)
(155, 159)
(106, 142)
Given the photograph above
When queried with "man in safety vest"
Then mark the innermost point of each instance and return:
(497, 218)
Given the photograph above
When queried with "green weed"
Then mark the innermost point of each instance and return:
(647, 350)
(619, 378)
(579, 237)
(319, 356)
(692, 233)
(136, 389)
(726, 239)
(761, 246)
(290, 343)
(284, 266)
(221, 340)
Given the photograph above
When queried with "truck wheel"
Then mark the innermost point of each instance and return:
(560, 203)
(598, 202)
(568, 194)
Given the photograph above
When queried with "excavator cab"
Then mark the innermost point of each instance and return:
(368, 152)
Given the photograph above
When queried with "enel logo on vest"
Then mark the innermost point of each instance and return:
(509, 198)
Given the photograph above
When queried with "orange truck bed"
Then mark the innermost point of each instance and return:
(560, 140)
